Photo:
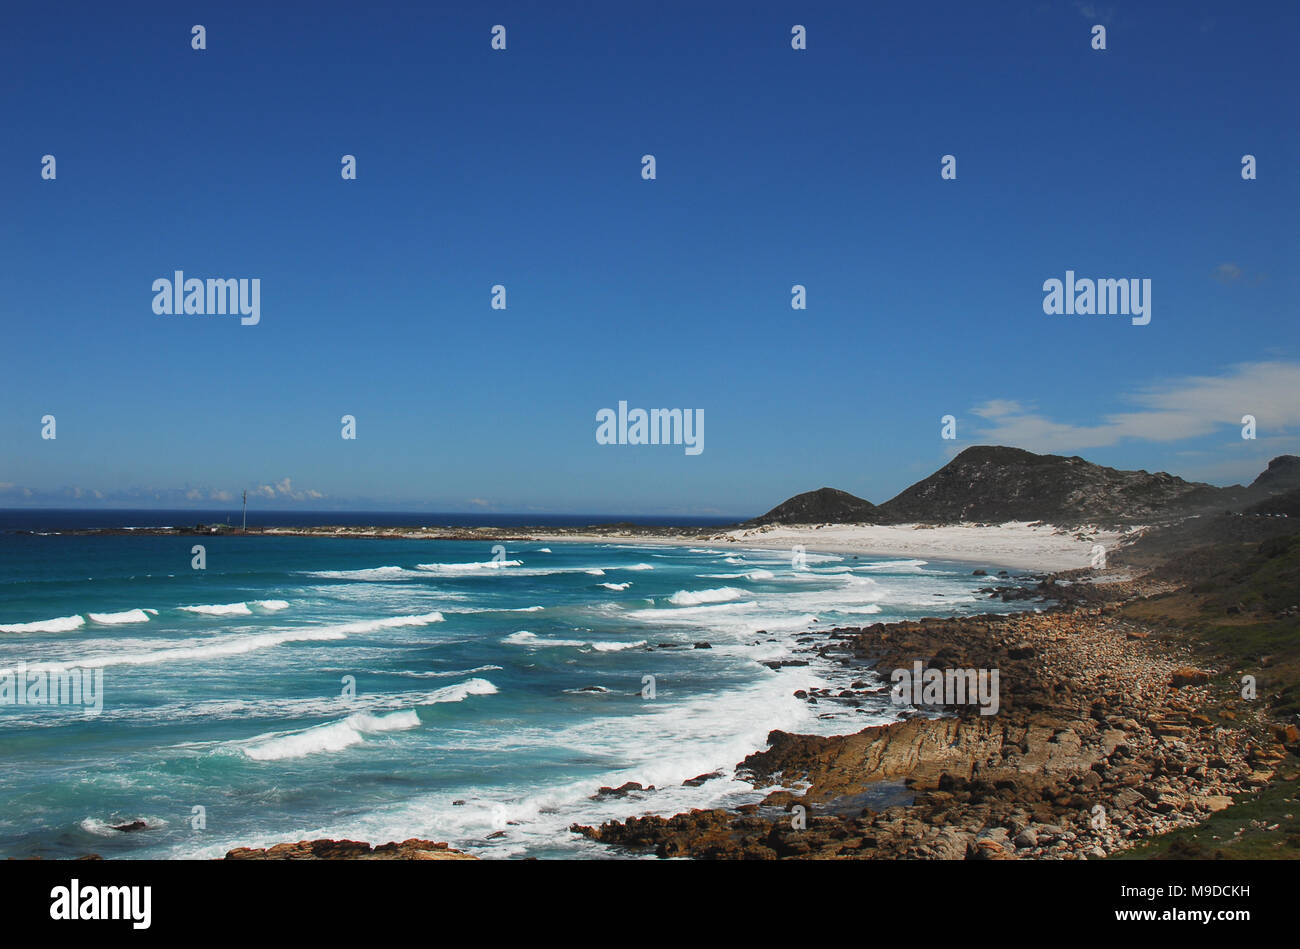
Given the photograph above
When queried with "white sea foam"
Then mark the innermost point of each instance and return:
(516, 569)
(369, 573)
(499, 609)
(336, 736)
(389, 622)
(616, 586)
(116, 619)
(220, 609)
(450, 674)
(698, 597)
(454, 568)
(896, 566)
(615, 647)
(526, 638)
(224, 646)
(736, 621)
(664, 746)
(332, 737)
(273, 606)
(233, 708)
(459, 692)
(194, 649)
(61, 624)
(706, 611)
(108, 828)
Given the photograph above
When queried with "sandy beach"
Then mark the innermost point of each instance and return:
(1017, 545)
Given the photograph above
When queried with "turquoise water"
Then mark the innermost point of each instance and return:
(492, 696)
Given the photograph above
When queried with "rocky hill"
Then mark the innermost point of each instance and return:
(825, 505)
(993, 484)
(1281, 475)
(1288, 503)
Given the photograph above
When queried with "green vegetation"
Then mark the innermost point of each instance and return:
(1262, 827)
(1242, 609)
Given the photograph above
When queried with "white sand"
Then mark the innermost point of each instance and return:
(1015, 544)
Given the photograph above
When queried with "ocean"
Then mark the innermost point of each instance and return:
(304, 687)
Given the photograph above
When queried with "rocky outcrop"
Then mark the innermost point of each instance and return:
(326, 849)
(1102, 740)
(825, 505)
(1281, 475)
(994, 484)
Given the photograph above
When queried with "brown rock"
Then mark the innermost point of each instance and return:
(326, 849)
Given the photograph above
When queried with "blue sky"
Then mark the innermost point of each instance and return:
(522, 167)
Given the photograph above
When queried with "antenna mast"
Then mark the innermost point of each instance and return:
(245, 528)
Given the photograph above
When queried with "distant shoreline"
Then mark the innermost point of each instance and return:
(1015, 545)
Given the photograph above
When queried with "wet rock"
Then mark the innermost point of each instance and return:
(623, 790)
(327, 849)
(701, 778)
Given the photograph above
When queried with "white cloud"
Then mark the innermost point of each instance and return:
(1241, 464)
(182, 497)
(1173, 411)
(1092, 11)
(1227, 273)
(995, 408)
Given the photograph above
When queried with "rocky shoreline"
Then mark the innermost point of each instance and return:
(326, 849)
(1107, 735)
(1113, 729)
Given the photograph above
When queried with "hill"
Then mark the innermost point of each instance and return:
(825, 505)
(993, 484)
